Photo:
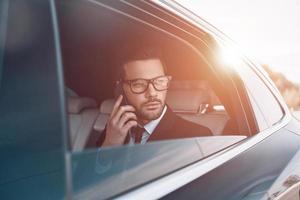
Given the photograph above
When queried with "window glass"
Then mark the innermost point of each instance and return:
(31, 147)
(263, 97)
(266, 108)
(261, 121)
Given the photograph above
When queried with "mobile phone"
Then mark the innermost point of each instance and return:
(119, 91)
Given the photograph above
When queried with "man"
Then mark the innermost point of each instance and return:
(144, 85)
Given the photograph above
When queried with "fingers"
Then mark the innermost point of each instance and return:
(121, 120)
(117, 105)
(129, 125)
(121, 111)
(126, 117)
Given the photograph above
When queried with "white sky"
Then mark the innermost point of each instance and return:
(268, 30)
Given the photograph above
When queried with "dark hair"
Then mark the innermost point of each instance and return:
(143, 53)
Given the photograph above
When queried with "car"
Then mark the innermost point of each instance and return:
(58, 63)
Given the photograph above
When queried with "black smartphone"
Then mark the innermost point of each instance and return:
(119, 91)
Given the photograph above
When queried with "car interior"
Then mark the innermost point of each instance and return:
(94, 40)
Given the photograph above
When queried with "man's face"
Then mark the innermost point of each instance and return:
(149, 105)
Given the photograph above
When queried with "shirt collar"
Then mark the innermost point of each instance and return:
(153, 124)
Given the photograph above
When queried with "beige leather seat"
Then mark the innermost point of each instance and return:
(105, 110)
(190, 99)
(82, 112)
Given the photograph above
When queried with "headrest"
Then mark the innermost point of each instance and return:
(188, 84)
(188, 96)
(107, 106)
(70, 92)
(77, 104)
(187, 101)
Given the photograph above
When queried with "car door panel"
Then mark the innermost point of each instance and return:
(234, 179)
(31, 116)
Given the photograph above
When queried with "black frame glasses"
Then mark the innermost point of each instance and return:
(139, 86)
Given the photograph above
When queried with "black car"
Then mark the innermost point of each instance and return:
(58, 63)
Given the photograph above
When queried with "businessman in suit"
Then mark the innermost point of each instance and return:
(140, 113)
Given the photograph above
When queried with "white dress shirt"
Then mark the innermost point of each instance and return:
(149, 128)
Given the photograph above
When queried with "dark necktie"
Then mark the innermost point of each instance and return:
(138, 134)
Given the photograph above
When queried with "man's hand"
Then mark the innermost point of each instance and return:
(121, 119)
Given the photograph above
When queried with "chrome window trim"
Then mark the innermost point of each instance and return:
(170, 183)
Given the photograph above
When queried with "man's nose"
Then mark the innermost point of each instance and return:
(151, 91)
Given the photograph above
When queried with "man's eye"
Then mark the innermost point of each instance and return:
(161, 81)
(138, 84)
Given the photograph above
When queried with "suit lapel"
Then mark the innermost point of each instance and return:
(162, 130)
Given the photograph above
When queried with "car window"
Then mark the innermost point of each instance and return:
(31, 142)
(261, 120)
(196, 94)
(264, 104)
(264, 98)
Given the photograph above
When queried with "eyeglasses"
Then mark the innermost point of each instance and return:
(139, 86)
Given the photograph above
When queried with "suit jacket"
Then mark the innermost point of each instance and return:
(170, 126)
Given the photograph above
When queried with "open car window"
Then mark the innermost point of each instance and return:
(94, 38)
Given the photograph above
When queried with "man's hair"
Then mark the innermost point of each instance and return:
(142, 53)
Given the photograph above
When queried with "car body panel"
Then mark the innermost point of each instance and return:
(251, 168)
(106, 172)
(287, 185)
(217, 176)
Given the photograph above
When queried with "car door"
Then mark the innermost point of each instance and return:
(37, 161)
(32, 123)
(287, 184)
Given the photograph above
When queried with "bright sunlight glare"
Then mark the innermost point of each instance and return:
(267, 31)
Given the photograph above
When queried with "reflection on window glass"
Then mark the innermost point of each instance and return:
(260, 118)
(263, 97)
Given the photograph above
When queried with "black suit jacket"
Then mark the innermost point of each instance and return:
(170, 126)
